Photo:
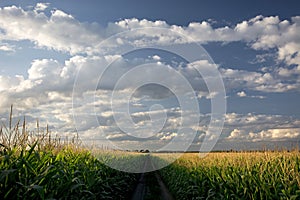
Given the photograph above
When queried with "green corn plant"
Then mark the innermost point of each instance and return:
(34, 165)
(235, 176)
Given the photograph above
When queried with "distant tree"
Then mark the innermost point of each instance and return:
(144, 151)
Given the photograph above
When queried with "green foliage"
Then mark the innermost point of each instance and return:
(35, 166)
(235, 176)
(32, 174)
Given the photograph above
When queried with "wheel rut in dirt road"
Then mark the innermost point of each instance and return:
(150, 185)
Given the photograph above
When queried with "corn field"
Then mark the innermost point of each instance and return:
(34, 165)
(255, 175)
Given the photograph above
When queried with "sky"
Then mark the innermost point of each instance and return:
(159, 75)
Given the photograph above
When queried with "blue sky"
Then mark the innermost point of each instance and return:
(61, 61)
